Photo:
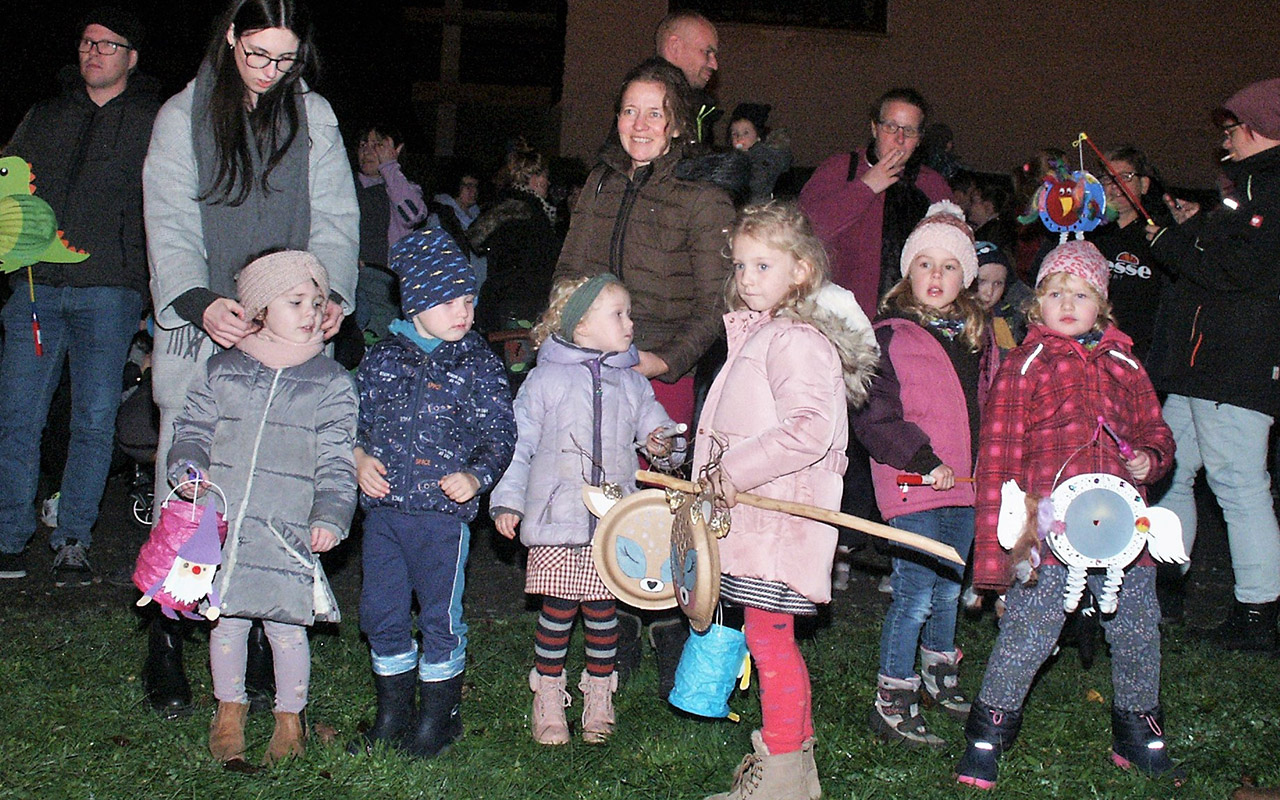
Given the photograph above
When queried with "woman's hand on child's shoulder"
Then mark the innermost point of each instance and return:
(944, 478)
(460, 486)
(506, 524)
(371, 474)
(322, 539)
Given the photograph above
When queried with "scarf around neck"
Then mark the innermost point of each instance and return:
(276, 353)
(277, 218)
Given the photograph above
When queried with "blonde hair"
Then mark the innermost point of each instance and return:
(1106, 316)
(781, 226)
(553, 317)
(965, 308)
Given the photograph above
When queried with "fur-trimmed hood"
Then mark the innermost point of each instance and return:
(835, 312)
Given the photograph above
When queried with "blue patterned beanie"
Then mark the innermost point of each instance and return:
(432, 271)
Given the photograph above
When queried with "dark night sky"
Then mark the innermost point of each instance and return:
(362, 53)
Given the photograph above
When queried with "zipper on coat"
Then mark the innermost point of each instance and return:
(618, 241)
(597, 437)
(233, 532)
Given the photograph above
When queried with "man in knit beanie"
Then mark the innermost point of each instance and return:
(1220, 360)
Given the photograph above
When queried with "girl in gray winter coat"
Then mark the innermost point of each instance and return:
(579, 414)
(272, 423)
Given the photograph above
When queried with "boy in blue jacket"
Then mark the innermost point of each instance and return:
(435, 430)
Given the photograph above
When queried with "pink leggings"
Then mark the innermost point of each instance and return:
(786, 698)
(229, 649)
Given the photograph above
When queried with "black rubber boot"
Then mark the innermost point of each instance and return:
(439, 721)
(628, 658)
(395, 712)
(163, 679)
(259, 670)
(988, 732)
(668, 637)
(1249, 627)
(1137, 740)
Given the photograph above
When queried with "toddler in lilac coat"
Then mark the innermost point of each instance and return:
(580, 415)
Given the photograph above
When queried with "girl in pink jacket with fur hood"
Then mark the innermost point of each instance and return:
(775, 424)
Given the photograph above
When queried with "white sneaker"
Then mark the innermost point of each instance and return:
(885, 586)
(49, 510)
(840, 576)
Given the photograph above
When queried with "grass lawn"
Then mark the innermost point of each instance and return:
(73, 724)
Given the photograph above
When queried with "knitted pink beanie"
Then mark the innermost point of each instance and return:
(270, 276)
(1079, 258)
(943, 227)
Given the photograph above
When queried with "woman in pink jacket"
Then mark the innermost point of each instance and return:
(775, 424)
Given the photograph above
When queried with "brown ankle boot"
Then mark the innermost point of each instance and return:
(764, 776)
(597, 706)
(287, 739)
(226, 733)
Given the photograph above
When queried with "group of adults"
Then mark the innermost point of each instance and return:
(247, 159)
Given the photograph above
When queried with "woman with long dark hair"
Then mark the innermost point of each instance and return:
(244, 160)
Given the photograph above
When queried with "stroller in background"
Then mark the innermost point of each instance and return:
(138, 427)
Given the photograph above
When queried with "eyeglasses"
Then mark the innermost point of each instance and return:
(1107, 180)
(261, 60)
(892, 129)
(105, 47)
(1227, 130)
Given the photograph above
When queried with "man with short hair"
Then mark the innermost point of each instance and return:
(1221, 365)
(86, 149)
(689, 41)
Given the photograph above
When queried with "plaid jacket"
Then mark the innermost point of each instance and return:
(1043, 413)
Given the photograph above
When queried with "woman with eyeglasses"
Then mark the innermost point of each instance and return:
(244, 160)
(1138, 279)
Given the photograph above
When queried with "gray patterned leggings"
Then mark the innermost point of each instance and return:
(290, 653)
(1033, 619)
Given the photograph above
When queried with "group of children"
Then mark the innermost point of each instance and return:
(278, 427)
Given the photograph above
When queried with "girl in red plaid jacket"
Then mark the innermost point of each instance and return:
(1039, 428)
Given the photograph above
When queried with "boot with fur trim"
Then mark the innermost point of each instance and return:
(597, 706)
(764, 776)
(549, 702)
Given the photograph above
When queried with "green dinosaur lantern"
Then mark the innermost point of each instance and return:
(28, 228)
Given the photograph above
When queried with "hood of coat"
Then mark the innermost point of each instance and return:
(1112, 339)
(835, 312)
(557, 351)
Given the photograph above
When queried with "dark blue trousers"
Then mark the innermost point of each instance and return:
(407, 554)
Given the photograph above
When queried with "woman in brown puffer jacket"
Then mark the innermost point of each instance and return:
(662, 234)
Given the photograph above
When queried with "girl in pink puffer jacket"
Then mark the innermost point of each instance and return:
(775, 424)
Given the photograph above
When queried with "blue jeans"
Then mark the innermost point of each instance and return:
(1230, 443)
(93, 327)
(407, 554)
(926, 591)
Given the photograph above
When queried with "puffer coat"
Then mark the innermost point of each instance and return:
(560, 425)
(664, 237)
(428, 415)
(278, 442)
(778, 408)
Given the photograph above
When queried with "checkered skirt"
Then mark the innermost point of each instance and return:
(564, 572)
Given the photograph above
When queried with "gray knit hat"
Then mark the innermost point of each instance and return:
(268, 277)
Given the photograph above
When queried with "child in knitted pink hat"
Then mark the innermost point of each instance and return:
(1071, 400)
(937, 356)
(272, 422)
